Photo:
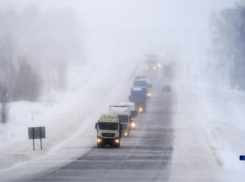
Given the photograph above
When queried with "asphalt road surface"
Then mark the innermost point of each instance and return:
(144, 156)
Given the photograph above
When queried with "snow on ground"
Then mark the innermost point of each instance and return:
(91, 88)
(209, 130)
(225, 121)
(209, 133)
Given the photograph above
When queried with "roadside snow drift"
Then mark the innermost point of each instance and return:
(92, 87)
(209, 134)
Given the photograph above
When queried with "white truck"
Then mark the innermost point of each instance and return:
(108, 130)
(133, 113)
(123, 113)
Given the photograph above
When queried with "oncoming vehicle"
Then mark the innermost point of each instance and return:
(166, 88)
(108, 130)
(123, 113)
(167, 70)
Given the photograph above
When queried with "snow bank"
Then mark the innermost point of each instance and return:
(209, 133)
(91, 88)
(225, 121)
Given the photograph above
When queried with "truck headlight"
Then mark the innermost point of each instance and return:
(99, 140)
(117, 141)
(148, 94)
(140, 109)
(133, 125)
(126, 134)
(154, 68)
(159, 65)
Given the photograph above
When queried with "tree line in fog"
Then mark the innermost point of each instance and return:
(228, 47)
(36, 49)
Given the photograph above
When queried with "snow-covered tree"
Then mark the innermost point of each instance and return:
(228, 33)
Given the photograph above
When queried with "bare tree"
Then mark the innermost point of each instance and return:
(29, 82)
(4, 106)
(7, 69)
(228, 31)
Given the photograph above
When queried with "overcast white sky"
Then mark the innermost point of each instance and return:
(124, 28)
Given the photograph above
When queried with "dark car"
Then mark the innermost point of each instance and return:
(166, 88)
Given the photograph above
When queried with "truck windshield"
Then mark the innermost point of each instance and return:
(138, 93)
(108, 126)
(123, 118)
(151, 61)
(140, 84)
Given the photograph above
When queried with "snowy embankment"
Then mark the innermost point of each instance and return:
(209, 134)
(91, 88)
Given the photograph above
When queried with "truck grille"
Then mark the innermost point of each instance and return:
(108, 134)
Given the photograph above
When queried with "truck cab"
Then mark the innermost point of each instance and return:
(138, 96)
(143, 82)
(123, 113)
(108, 130)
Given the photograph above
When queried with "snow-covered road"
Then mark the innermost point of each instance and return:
(204, 147)
(194, 158)
(197, 142)
(65, 116)
(144, 156)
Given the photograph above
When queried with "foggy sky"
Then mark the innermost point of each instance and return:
(129, 29)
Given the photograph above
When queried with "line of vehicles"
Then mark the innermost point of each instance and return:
(153, 64)
(121, 118)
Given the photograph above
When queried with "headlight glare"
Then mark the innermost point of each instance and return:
(117, 141)
(140, 109)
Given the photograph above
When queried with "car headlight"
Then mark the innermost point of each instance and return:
(99, 140)
(133, 125)
(117, 141)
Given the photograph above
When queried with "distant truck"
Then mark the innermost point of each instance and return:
(123, 113)
(138, 96)
(133, 113)
(108, 130)
(152, 63)
(143, 82)
(167, 70)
